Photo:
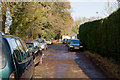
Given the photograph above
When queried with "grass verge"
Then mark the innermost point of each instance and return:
(109, 68)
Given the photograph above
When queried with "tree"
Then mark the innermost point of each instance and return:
(109, 8)
(45, 19)
(4, 6)
(80, 21)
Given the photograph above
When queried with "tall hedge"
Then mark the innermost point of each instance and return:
(103, 36)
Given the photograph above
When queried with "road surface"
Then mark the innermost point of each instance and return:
(58, 62)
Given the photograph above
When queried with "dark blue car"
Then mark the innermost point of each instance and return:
(75, 44)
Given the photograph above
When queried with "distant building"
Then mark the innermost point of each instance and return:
(73, 36)
(65, 37)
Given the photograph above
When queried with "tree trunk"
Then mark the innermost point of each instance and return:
(3, 8)
(3, 23)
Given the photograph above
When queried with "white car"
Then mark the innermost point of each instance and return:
(43, 43)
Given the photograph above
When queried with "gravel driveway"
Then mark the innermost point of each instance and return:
(58, 62)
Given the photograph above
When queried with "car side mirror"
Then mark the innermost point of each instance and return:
(31, 54)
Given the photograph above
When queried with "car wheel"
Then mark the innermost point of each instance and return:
(82, 49)
(68, 49)
(45, 48)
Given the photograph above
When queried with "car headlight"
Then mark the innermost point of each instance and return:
(40, 49)
(81, 46)
(71, 46)
(42, 46)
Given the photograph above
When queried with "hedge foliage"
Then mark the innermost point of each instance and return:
(103, 36)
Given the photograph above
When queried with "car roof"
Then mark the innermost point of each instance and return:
(32, 41)
(1, 33)
(74, 39)
(7, 35)
(39, 39)
(29, 41)
(10, 36)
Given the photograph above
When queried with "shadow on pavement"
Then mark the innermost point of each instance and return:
(88, 66)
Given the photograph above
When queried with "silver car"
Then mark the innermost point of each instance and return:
(43, 43)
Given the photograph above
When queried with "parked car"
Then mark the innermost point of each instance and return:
(54, 41)
(64, 41)
(34, 48)
(68, 42)
(51, 41)
(43, 43)
(75, 44)
(48, 41)
(15, 59)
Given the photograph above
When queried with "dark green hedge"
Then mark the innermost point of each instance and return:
(103, 36)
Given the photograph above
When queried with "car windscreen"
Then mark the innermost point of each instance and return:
(29, 45)
(2, 55)
(48, 40)
(74, 42)
(42, 41)
(38, 44)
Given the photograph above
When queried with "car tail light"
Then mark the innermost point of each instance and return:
(12, 76)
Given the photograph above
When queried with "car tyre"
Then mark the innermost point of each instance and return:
(32, 78)
(45, 48)
(69, 49)
(82, 49)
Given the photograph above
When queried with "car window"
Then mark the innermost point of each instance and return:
(42, 40)
(16, 51)
(74, 42)
(2, 55)
(48, 40)
(38, 44)
(29, 45)
(25, 47)
(69, 41)
(21, 49)
(35, 45)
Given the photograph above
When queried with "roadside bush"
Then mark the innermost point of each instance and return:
(103, 36)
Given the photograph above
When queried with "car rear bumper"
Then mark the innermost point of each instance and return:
(75, 48)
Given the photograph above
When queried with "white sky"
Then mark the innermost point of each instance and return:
(92, 0)
(88, 8)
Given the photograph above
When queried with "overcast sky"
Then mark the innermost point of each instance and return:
(88, 8)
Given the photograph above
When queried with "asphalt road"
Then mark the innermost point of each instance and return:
(58, 62)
